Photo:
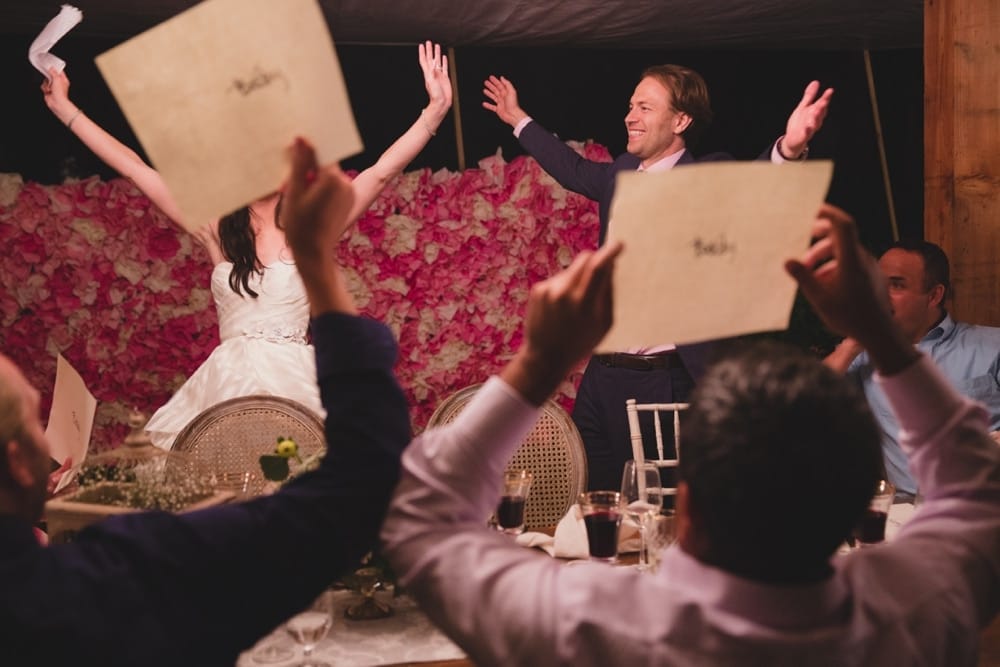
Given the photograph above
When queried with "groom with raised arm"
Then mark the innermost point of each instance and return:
(667, 114)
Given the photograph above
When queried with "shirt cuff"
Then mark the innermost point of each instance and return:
(521, 125)
(776, 156)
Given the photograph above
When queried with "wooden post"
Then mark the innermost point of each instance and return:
(880, 139)
(457, 107)
(962, 149)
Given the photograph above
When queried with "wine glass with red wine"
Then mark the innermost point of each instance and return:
(510, 511)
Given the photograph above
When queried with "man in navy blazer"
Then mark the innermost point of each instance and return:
(667, 112)
(198, 588)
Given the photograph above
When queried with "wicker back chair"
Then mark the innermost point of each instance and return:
(228, 438)
(552, 451)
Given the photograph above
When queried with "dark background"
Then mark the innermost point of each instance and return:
(578, 94)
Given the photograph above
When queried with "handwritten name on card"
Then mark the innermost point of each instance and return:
(705, 246)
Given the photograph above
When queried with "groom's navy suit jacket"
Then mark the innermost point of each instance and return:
(596, 180)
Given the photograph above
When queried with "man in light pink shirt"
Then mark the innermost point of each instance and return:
(778, 463)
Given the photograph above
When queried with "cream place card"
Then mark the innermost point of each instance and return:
(705, 247)
(217, 93)
(71, 419)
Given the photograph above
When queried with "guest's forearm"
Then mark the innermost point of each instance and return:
(325, 285)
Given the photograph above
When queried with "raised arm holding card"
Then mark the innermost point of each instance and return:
(199, 588)
(753, 578)
(262, 306)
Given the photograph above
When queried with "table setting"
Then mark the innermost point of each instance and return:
(604, 525)
(632, 526)
(406, 636)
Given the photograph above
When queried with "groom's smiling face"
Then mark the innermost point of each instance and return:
(654, 127)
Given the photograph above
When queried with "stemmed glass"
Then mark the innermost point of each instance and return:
(642, 497)
(273, 652)
(310, 626)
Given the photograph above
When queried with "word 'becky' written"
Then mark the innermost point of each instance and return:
(258, 79)
(713, 248)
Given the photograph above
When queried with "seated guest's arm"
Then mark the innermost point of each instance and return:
(957, 529)
(158, 588)
(846, 352)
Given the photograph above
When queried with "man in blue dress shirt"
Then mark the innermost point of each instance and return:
(164, 589)
(919, 280)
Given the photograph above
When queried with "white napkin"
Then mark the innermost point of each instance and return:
(899, 514)
(570, 540)
(38, 52)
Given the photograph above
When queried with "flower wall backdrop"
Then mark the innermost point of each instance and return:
(93, 271)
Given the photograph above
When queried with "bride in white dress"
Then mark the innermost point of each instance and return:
(261, 302)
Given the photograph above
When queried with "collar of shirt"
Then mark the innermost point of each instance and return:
(783, 607)
(941, 330)
(663, 164)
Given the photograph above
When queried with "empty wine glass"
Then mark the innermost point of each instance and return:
(642, 497)
(310, 626)
(273, 651)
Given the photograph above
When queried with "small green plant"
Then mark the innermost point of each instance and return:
(275, 466)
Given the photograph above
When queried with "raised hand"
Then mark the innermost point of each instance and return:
(805, 120)
(434, 65)
(315, 204)
(567, 315)
(314, 212)
(840, 278)
(843, 283)
(503, 100)
(55, 91)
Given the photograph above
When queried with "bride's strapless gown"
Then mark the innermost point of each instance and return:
(263, 350)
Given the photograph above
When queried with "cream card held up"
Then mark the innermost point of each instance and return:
(217, 93)
(705, 247)
(71, 418)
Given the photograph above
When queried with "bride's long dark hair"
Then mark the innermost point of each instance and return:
(239, 245)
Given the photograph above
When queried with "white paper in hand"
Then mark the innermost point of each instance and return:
(217, 93)
(56, 29)
(71, 419)
(705, 247)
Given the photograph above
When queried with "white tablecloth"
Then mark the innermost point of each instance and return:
(406, 636)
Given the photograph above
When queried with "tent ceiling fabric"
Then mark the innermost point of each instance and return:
(653, 24)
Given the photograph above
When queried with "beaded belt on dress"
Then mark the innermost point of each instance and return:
(277, 334)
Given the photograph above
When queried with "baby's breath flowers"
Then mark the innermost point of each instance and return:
(148, 485)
